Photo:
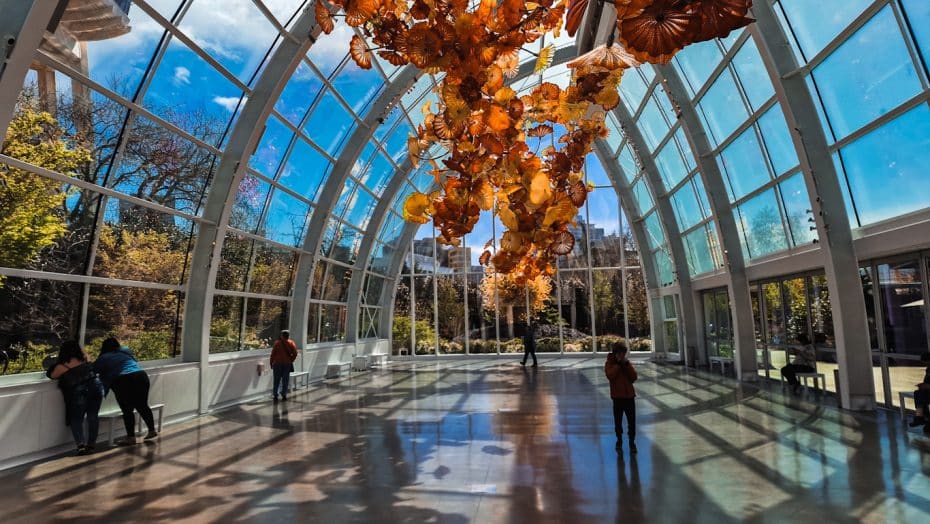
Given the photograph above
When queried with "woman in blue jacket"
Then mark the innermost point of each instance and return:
(120, 372)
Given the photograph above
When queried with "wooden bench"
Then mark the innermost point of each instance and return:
(114, 415)
(300, 379)
(902, 395)
(820, 380)
(722, 361)
(336, 369)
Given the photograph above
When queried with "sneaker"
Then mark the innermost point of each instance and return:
(151, 435)
(275, 398)
(632, 448)
(81, 450)
(918, 421)
(284, 397)
(126, 441)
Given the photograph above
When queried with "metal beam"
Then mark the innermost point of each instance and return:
(743, 325)
(856, 384)
(673, 239)
(329, 196)
(22, 28)
(245, 135)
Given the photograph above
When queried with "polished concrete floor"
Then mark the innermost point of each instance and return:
(486, 441)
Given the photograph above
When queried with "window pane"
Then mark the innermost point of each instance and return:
(145, 320)
(329, 124)
(762, 229)
(887, 169)
(867, 76)
(752, 75)
(697, 62)
(285, 219)
(305, 171)
(652, 124)
(700, 258)
(687, 211)
(722, 107)
(782, 153)
(815, 24)
(671, 166)
(918, 15)
(796, 201)
(654, 231)
(332, 323)
(32, 328)
(576, 311)
(744, 165)
(642, 196)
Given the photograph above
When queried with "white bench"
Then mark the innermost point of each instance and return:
(902, 395)
(379, 359)
(336, 369)
(722, 361)
(114, 415)
(820, 380)
(360, 363)
(300, 379)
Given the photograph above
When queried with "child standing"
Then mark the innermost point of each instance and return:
(622, 375)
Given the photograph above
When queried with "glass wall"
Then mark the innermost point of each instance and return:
(869, 75)
(718, 337)
(597, 296)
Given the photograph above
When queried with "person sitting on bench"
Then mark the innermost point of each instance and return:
(805, 361)
(922, 397)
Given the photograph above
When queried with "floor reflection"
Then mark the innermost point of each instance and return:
(489, 441)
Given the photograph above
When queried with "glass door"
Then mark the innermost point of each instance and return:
(900, 289)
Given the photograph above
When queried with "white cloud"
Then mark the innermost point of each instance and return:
(182, 76)
(227, 102)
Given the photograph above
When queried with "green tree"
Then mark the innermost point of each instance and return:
(31, 217)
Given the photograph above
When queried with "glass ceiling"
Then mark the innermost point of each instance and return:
(179, 80)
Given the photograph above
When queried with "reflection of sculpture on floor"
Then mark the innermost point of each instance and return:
(922, 397)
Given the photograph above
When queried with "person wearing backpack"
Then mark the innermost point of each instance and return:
(283, 355)
(82, 391)
(119, 371)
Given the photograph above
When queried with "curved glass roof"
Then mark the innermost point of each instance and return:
(330, 145)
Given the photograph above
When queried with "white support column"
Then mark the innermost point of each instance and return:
(841, 266)
(672, 238)
(737, 282)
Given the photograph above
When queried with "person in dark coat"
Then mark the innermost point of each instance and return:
(529, 344)
(82, 391)
(621, 374)
(922, 397)
(119, 371)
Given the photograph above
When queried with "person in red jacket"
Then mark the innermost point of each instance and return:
(283, 355)
(621, 374)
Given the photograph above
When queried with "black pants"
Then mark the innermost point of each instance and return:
(527, 351)
(922, 400)
(624, 406)
(132, 393)
(791, 370)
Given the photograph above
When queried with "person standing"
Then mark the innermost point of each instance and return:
(119, 371)
(283, 355)
(805, 361)
(529, 344)
(621, 374)
(922, 397)
(82, 391)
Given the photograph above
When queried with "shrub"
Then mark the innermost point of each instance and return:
(610, 343)
(548, 345)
